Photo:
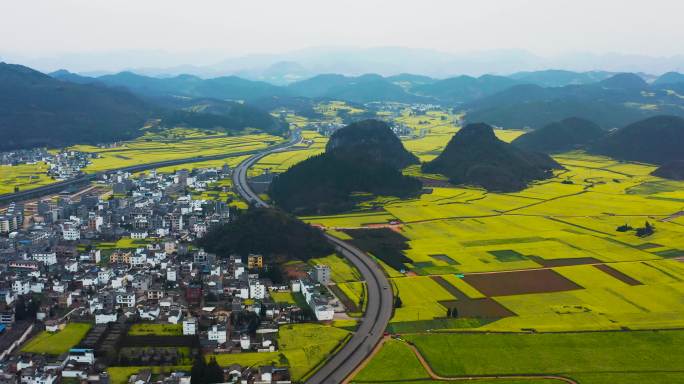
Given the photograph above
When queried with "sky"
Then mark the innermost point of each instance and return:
(203, 31)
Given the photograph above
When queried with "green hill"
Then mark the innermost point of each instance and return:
(669, 78)
(656, 140)
(364, 157)
(269, 232)
(559, 136)
(361, 89)
(673, 170)
(38, 110)
(613, 102)
(475, 156)
(218, 114)
(559, 78)
(625, 81)
(227, 87)
(465, 88)
(370, 140)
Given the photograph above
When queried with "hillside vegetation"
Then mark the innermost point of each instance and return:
(656, 140)
(475, 156)
(38, 110)
(559, 136)
(361, 157)
(269, 232)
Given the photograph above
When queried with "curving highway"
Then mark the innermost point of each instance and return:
(338, 367)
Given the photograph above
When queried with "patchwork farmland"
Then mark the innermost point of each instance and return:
(546, 260)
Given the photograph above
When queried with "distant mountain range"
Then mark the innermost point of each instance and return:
(523, 100)
(563, 87)
(612, 102)
(288, 67)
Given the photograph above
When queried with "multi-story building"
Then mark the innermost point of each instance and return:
(255, 261)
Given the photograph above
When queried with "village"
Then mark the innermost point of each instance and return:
(117, 264)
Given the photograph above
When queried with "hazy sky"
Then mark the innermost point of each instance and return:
(238, 27)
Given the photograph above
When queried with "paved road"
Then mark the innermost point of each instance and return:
(85, 179)
(379, 301)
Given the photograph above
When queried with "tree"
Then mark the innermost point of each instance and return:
(213, 372)
(198, 371)
(646, 230)
(397, 302)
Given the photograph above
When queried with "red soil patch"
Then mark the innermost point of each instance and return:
(520, 282)
(482, 308)
(549, 263)
(618, 275)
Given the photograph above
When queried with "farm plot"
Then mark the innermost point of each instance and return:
(355, 292)
(520, 282)
(395, 361)
(420, 299)
(609, 355)
(58, 342)
(606, 302)
(23, 177)
(466, 307)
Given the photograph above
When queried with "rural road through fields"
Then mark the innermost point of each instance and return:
(61, 185)
(338, 367)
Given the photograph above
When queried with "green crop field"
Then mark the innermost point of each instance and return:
(307, 345)
(420, 298)
(58, 342)
(283, 297)
(594, 357)
(355, 291)
(395, 361)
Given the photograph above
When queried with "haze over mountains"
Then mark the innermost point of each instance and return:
(283, 68)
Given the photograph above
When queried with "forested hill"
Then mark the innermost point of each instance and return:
(38, 110)
(370, 140)
(475, 156)
(559, 136)
(362, 157)
(269, 232)
(656, 140)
